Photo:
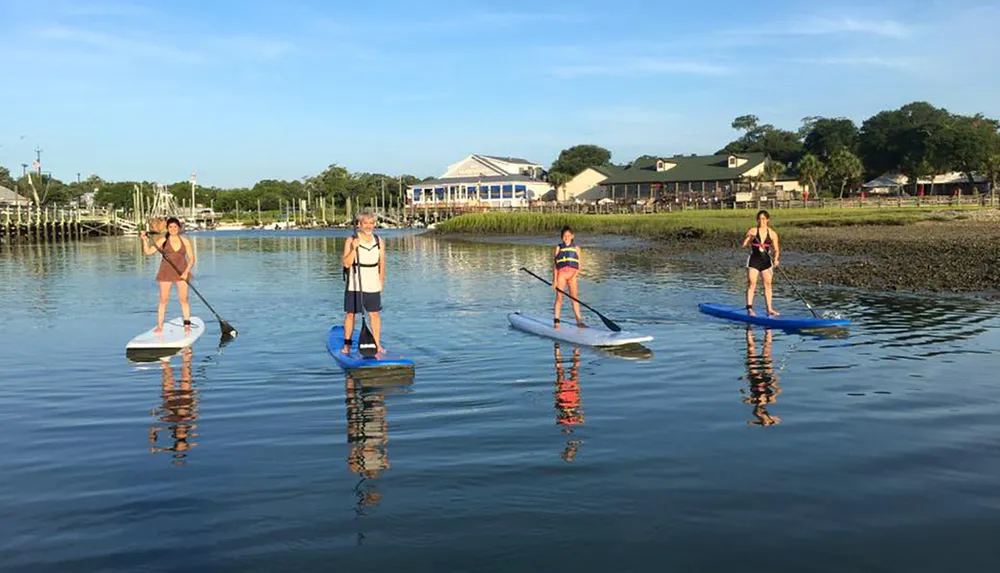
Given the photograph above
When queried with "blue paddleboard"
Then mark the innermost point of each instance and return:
(740, 313)
(355, 360)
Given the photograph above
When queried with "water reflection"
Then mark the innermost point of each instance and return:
(762, 380)
(368, 429)
(178, 411)
(569, 412)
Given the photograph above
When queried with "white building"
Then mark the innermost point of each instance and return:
(482, 180)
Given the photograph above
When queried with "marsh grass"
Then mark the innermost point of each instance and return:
(686, 223)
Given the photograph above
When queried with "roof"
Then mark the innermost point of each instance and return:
(508, 159)
(890, 179)
(688, 168)
(475, 179)
(608, 170)
(8, 196)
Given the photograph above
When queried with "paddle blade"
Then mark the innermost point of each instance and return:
(610, 324)
(228, 332)
(366, 342)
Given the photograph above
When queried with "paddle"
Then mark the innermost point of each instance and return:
(791, 284)
(366, 340)
(228, 332)
(607, 322)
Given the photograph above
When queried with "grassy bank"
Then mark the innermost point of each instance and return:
(686, 223)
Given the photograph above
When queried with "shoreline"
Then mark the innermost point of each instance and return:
(931, 255)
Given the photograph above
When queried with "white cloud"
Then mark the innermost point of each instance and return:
(847, 25)
(632, 67)
(903, 64)
(117, 45)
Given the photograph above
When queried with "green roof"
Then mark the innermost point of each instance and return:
(609, 170)
(687, 168)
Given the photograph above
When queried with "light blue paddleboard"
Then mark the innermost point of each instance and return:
(354, 360)
(740, 314)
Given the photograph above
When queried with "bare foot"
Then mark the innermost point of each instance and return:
(555, 323)
(158, 329)
(580, 324)
(380, 352)
(751, 312)
(345, 350)
(773, 312)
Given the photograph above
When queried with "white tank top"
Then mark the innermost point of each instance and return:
(368, 254)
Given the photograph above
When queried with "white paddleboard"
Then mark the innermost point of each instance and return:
(594, 335)
(172, 336)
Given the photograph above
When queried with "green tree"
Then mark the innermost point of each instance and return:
(779, 144)
(845, 168)
(558, 179)
(773, 170)
(909, 140)
(968, 143)
(812, 170)
(6, 180)
(573, 160)
(824, 136)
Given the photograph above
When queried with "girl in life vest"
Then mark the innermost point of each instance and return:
(567, 259)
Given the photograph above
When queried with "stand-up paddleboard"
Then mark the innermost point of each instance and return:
(171, 337)
(593, 335)
(354, 360)
(740, 314)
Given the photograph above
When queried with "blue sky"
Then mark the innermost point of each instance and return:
(247, 90)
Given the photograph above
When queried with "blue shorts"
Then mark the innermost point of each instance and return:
(353, 301)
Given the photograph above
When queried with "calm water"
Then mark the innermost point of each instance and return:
(875, 449)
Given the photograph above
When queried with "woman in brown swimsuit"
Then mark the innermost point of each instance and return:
(178, 251)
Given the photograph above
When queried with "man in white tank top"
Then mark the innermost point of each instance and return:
(366, 292)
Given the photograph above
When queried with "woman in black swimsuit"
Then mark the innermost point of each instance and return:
(765, 253)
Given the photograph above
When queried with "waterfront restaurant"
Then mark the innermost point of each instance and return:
(685, 178)
(482, 181)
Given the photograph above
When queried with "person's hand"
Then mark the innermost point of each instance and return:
(142, 235)
(184, 276)
(777, 262)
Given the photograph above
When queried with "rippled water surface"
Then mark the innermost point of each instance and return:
(713, 448)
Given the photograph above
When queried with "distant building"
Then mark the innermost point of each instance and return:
(686, 178)
(890, 183)
(585, 187)
(482, 180)
(9, 198)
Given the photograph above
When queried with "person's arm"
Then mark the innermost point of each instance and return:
(190, 257)
(348, 257)
(747, 237)
(555, 270)
(381, 265)
(579, 257)
(777, 248)
(147, 247)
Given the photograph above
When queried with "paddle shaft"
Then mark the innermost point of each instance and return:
(607, 321)
(225, 325)
(791, 284)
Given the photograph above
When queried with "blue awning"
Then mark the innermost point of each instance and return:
(520, 187)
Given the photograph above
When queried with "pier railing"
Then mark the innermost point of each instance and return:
(31, 224)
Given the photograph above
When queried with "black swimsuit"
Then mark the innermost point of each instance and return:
(760, 253)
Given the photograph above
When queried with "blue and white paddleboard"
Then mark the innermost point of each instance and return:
(740, 314)
(171, 337)
(354, 360)
(594, 335)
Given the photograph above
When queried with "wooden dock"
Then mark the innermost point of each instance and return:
(27, 225)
